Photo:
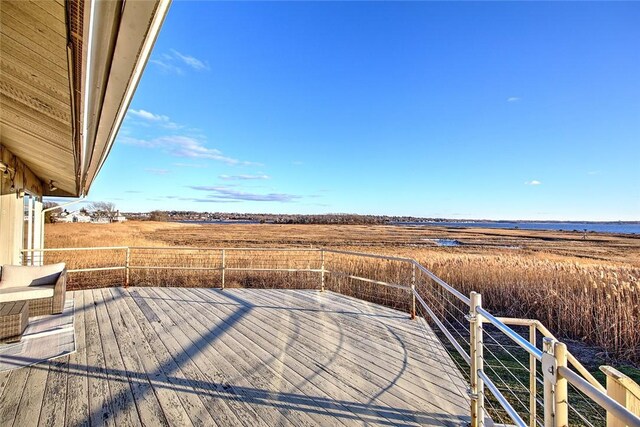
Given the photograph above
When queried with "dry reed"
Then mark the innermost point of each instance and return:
(593, 300)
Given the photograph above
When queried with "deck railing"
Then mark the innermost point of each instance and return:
(517, 371)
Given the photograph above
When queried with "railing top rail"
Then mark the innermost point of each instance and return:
(465, 299)
(545, 332)
(367, 255)
(435, 278)
(606, 402)
(530, 348)
(97, 248)
(187, 248)
(179, 248)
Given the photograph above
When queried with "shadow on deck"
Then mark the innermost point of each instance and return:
(182, 356)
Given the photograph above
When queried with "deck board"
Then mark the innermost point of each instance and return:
(240, 363)
(124, 407)
(77, 407)
(149, 410)
(429, 368)
(383, 356)
(156, 360)
(32, 396)
(99, 400)
(316, 372)
(186, 355)
(55, 394)
(238, 357)
(349, 368)
(279, 378)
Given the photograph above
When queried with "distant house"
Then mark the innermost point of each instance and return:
(74, 216)
(83, 216)
(119, 217)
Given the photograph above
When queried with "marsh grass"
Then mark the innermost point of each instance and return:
(590, 300)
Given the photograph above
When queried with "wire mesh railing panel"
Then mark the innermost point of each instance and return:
(272, 279)
(392, 297)
(175, 277)
(175, 267)
(87, 268)
(81, 258)
(168, 258)
(78, 280)
(381, 281)
(507, 365)
(276, 259)
(446, 315)
(583, 411)
(391, 271)
(273, 269)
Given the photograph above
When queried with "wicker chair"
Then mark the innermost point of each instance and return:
(43, 287)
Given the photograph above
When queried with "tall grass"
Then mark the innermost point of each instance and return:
(596, 304)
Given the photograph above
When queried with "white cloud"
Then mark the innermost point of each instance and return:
(167, 66)
(150, 117)
(185, 146)
(143, 114)
(225, 194)
(191, 61)
(593, 173)
(243, 177)
(513, 99)
(171, 62)
(533, 182)
(190, 165)
(157, 171)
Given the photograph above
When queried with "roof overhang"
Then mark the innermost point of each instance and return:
(68, 73)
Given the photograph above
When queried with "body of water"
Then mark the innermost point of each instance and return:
(599, 227)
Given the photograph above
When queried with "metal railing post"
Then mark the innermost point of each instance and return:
(532, 377)
(322, 270)
(413, 291)
(549, 372)
(556, 406)
(126, 267)
(561, 396)
(223, 268)
(477, 361)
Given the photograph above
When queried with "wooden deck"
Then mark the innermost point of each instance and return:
(175, 356)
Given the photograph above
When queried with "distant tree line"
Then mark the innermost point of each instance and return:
(333, 218)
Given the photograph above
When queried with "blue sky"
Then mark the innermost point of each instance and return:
(458, 110)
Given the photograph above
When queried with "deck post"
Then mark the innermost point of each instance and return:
(322, 270)
(549, 372)
(561, 396)
(532, 376)
(222, 269)
(623, 390)
(413, 291)
(126, 267)
(477, 361)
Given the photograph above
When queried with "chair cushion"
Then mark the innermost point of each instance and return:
(19, 276)
(21, 293)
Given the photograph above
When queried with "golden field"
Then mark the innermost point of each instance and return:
(582, 289)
